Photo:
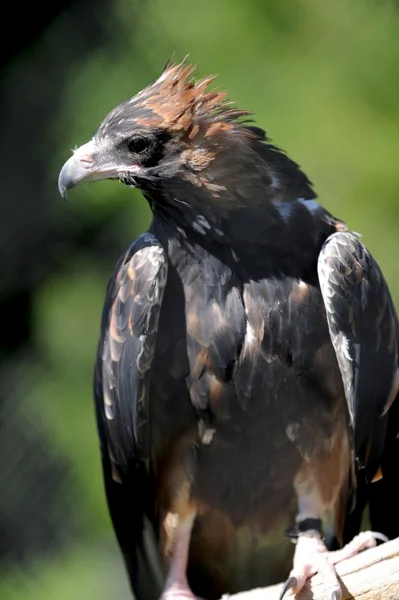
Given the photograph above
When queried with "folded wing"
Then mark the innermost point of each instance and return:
(125, 354)
(364, 331)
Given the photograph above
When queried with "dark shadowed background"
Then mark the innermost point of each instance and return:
(323, 79)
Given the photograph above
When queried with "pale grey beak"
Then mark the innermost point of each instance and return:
(83, 167)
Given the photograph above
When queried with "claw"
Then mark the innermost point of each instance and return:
(379, 536)
(335, 595)
(291, 582)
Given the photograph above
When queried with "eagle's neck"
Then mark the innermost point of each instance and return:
(251, 203)
(283, 238)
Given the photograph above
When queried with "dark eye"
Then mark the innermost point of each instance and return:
(138, 144)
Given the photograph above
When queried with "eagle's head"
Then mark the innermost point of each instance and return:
(197, 160)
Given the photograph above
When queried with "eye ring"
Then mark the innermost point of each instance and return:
(137, 144)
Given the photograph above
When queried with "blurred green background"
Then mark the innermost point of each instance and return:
(322, 78)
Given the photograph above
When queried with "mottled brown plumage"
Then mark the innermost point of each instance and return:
(248, 360)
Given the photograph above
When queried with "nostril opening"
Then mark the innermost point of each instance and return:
(86, 161)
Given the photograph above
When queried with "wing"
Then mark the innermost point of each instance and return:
(364, 331)
(125, 354)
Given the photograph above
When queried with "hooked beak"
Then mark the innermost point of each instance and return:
(83, 167)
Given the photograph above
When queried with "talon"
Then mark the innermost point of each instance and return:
(291, 582)
(335, 595)
(379, 536)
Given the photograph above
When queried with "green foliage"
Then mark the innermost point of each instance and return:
(321, 78)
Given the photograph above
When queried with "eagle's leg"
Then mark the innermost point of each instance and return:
(311, 556)
(176, 586)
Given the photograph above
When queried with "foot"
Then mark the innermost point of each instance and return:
(311, 556)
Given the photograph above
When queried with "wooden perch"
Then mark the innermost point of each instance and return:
(371, 575)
